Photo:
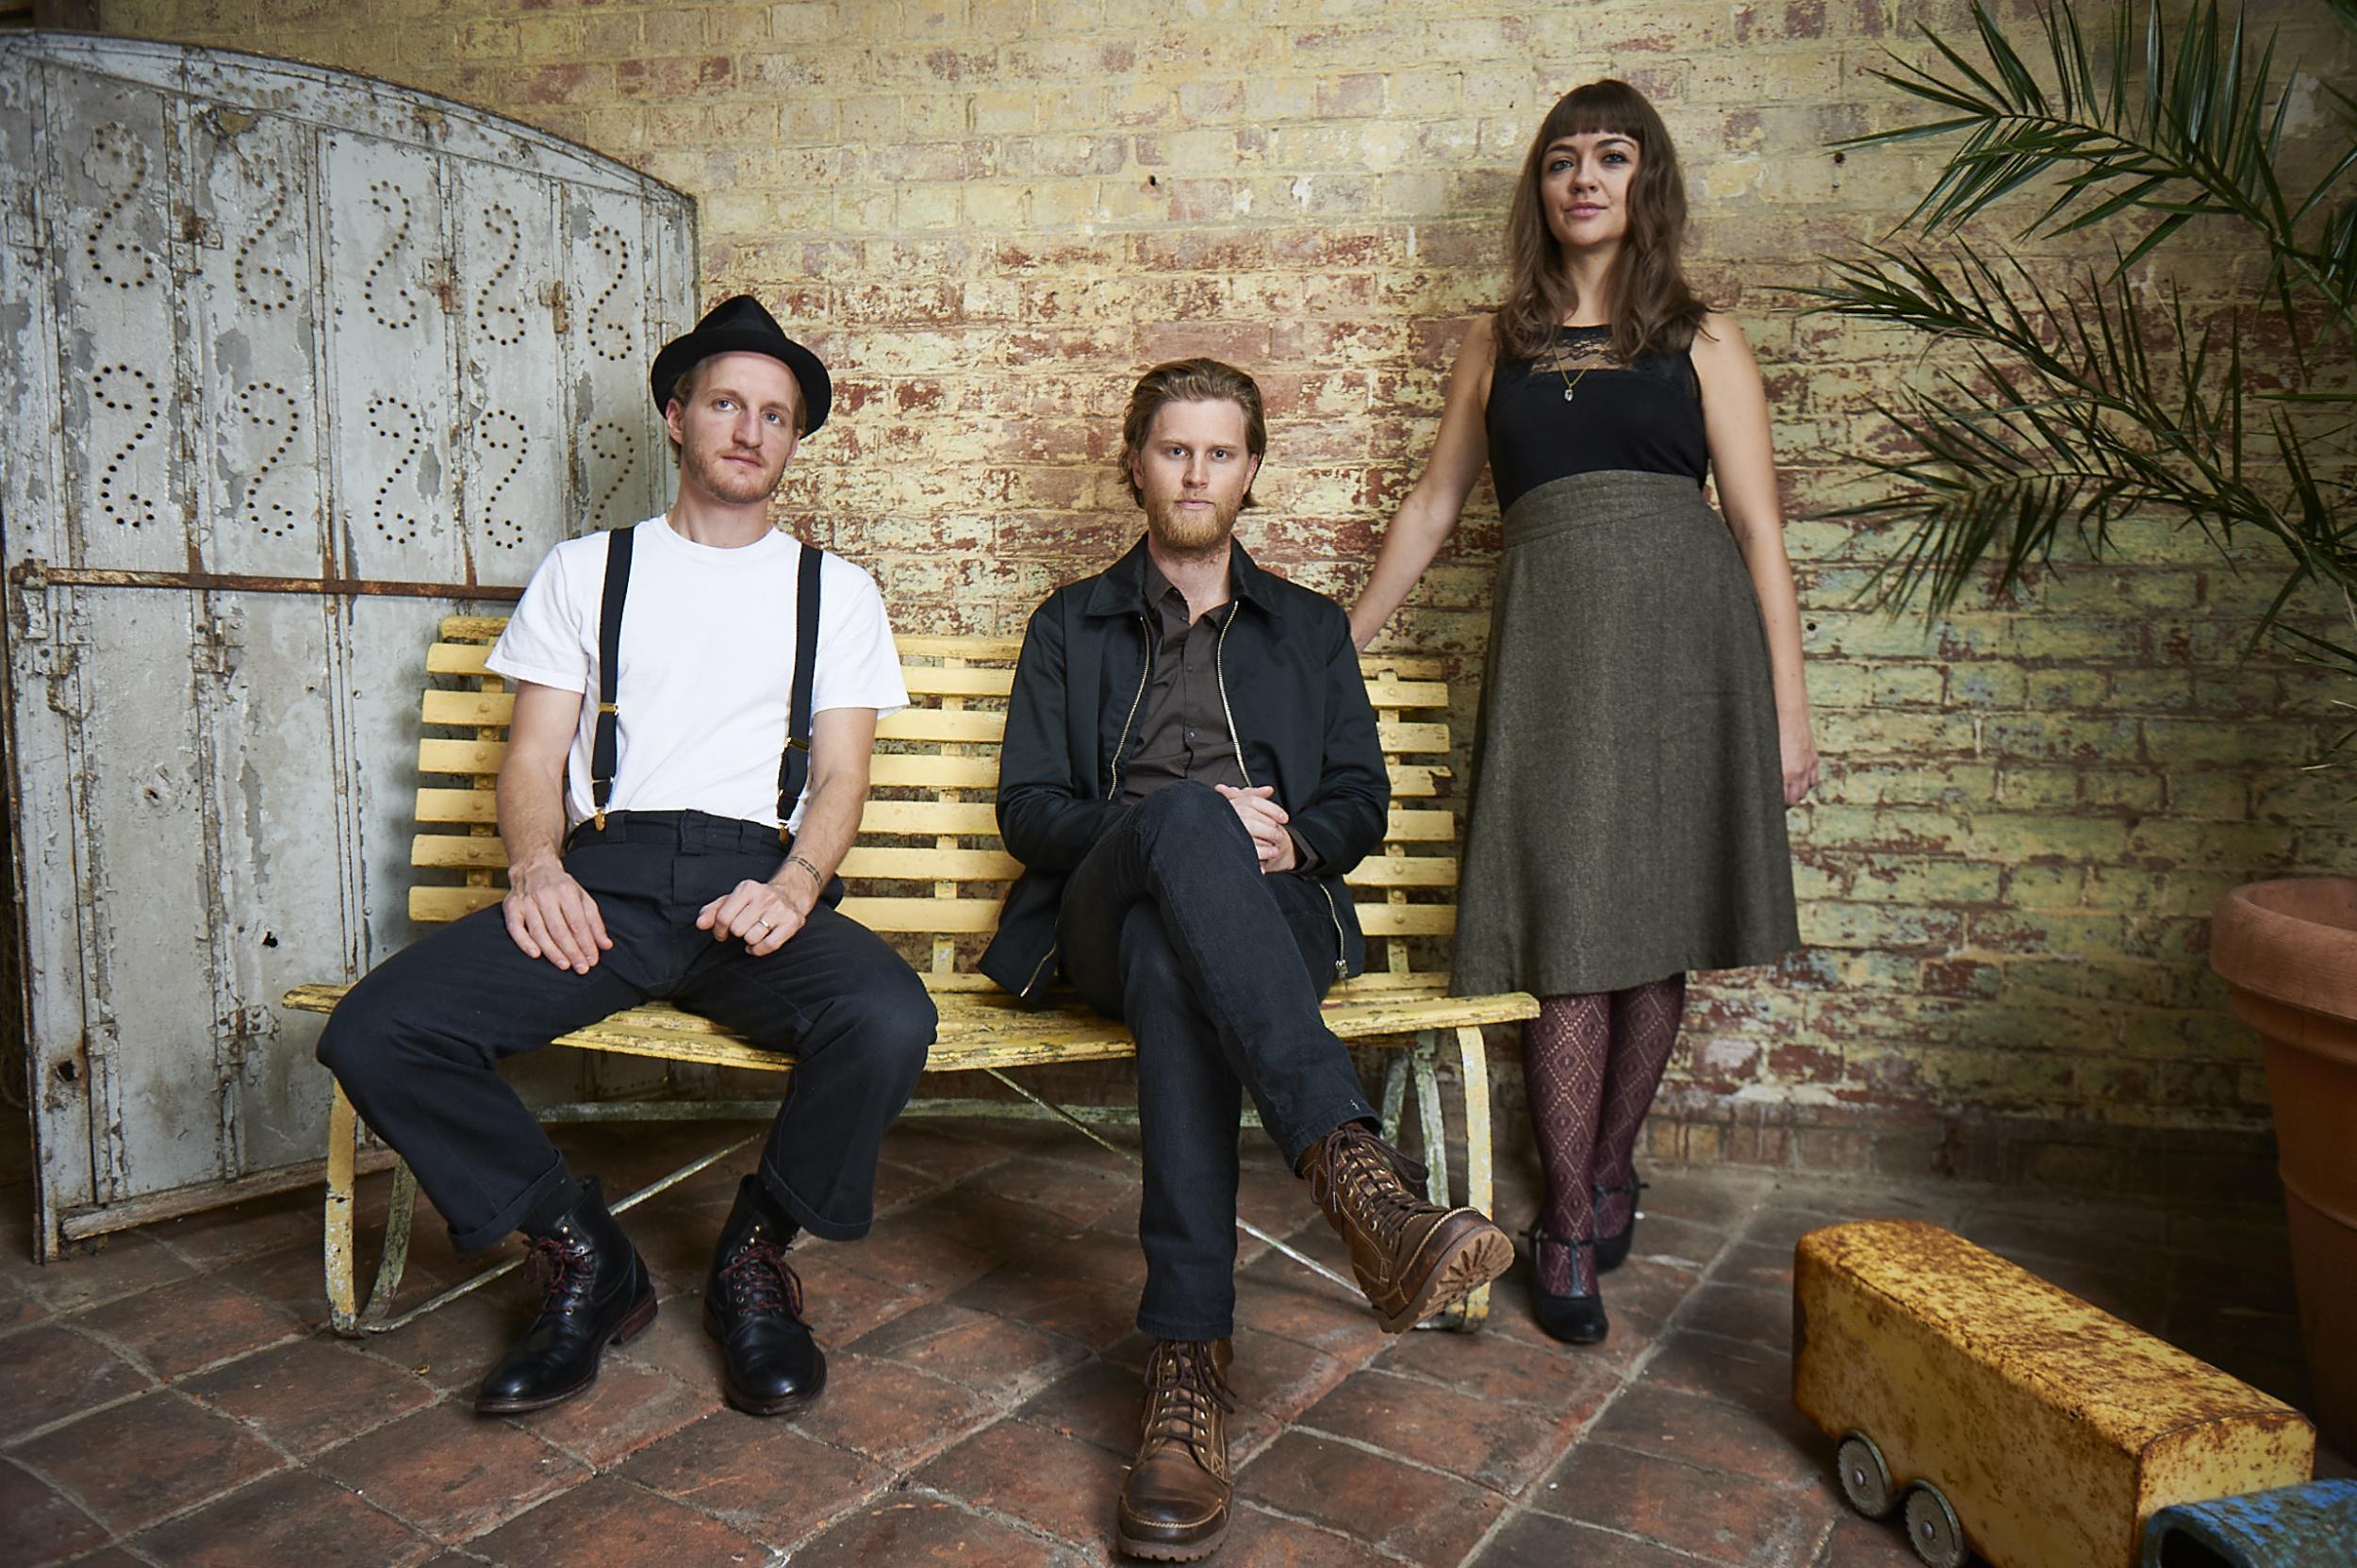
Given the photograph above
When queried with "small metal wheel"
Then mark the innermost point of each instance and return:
(1932, 1528)
(1865, 1478)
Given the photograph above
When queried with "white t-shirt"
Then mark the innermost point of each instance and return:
(707, 665)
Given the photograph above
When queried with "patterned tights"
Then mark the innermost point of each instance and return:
(1590, 1064)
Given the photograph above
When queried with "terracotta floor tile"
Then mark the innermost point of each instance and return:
(888, 1412)
(1504, 1447)
(17, 1308)
(1259, 1538)
(1542, 1540)
(116, 1265)
(190, 1323)
(1850, 1542)
(1775, 1443)
(1070, 1195)
(1081, 1309)
(1749, 1375)
(48, 1373)
(946, 1150)
(1061, 1485)
(449, 1473)
(1096, 1402)
(258, 1225)
(1278, 1295)
(39, 1526)
(763, 1476)
(841, 1300)
(1000, 1359)
(452, 1346)
(1710, 1513)
(311, 1392)
(291, 1517)
(1760, 1317)
(629, 1407)
(1752, 1263)
(924, 1532)
(1275, 1379)
(1538, 1373)
(135, 1463)
(612, 1522)
(1410, 1513)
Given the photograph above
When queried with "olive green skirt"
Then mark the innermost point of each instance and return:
(1627, 815)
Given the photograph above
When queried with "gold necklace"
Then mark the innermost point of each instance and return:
(1570, 382)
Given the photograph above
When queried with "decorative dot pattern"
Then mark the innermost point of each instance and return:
(395, 421)
(254, 401)
(380, 293)
(503, 323)
(120, 262)
(130, 394)
(504, 534)
(278, 291)
(609, 442)
(609, 335)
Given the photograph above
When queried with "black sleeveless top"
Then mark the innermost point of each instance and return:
(1646, 416)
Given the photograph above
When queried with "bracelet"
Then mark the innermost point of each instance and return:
(816, 880)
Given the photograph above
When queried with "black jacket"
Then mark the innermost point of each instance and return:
(1302, 720)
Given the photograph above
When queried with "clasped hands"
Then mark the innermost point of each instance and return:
(1264, 819)
(552, 917)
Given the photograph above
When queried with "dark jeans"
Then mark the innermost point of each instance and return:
(417, 1044)
(1170, 926)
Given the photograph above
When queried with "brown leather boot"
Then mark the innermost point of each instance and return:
(1174, 1506)
(1412, 1258)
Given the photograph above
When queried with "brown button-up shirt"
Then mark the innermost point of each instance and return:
(1183, 728)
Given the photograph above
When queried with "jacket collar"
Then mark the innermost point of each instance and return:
(1120, 588)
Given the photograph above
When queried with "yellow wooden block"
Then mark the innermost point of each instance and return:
(2052, 1428)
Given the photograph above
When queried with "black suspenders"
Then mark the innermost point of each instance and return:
(604, 748)
(793, 768)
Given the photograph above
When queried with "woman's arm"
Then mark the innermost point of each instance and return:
(1428, 516)
(1743, 465)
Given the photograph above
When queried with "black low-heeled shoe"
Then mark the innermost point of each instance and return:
(1612, 1250)
(1579, 1317)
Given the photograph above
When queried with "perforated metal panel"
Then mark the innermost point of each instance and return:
(296, 363)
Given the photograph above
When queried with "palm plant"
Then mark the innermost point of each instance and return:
(2080, 405)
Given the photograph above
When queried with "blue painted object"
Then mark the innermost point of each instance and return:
(2293, 1526)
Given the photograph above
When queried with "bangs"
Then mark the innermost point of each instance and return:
(1608, 108)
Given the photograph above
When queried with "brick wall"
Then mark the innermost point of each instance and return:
(990, 214)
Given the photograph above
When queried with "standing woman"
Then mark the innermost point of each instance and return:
(1643, 719)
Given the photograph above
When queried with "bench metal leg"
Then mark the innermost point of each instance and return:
(344, 1314)
(1394, 1095)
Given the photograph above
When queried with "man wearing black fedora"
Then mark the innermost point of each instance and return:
(695, 700)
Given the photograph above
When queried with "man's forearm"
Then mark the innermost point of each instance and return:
(531, 816)
(830, 822)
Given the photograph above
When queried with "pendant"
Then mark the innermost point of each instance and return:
(1568, 393)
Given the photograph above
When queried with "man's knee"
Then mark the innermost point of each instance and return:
(1188, 811)
(894, 1022)
(364, 1038)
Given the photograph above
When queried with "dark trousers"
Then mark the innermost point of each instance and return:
(417, 1045)
(1170, 926)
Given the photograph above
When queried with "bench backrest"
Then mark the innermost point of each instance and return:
(928, 868)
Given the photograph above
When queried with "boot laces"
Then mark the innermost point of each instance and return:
(1359, 1171)
(1183, 1386)
(759, 1279)
(563, 1269)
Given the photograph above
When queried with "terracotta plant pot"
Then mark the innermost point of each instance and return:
(2288, 949)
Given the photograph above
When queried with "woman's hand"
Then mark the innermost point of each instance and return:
(1800, 756)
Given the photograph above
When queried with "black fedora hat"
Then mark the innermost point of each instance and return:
(740, 326)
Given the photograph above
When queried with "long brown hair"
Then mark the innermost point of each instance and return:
(1652, 309)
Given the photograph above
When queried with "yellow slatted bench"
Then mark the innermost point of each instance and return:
(928, 870)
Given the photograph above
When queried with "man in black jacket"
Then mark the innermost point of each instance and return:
(1190, 767)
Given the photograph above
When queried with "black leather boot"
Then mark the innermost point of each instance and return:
(595, 1291)
(753, 1307)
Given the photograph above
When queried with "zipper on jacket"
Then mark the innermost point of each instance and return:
(1219, 673)
(1341, 963)
(1146, 673)
(1048, 957)
(1219, 677)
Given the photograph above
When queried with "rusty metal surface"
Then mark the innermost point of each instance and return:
(2054, 1428)
(303, 363)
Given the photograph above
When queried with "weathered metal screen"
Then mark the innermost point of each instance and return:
(296, 363)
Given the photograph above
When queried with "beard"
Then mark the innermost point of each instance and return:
(727, 481)
(1182, 533)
